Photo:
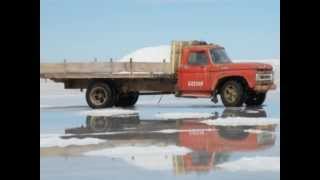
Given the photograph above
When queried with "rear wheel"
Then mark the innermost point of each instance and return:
(128, 99)
(99, 95)
(256, 99)
(232, 93)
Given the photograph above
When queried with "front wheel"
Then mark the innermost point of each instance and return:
(232, 94)
(256, 99)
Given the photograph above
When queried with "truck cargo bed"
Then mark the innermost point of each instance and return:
(105, 70)
(114, 69)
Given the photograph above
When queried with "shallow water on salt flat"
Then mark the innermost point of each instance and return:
(151, 147)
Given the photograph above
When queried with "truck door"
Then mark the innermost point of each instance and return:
(193, 72)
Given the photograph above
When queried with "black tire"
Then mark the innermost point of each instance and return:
(256, 99)
(100, 95)
(232, 94)
(125, 100)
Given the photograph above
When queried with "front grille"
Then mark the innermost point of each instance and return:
(265, 82)
(264, 71)
(264, 77)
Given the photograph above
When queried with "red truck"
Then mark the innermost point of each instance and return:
(208, 146)
(196, 69)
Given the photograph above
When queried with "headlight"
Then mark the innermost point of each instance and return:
(264, 76)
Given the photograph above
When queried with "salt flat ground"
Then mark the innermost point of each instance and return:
(197, 142)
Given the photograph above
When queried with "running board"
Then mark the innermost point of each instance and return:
(155, 93)
(196, 95)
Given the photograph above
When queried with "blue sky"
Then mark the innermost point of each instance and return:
(85, 29)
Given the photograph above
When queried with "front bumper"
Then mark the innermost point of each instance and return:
(265, 87)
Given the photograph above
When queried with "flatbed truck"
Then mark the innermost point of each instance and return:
(196, 69)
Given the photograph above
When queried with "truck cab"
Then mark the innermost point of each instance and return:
(205, 70)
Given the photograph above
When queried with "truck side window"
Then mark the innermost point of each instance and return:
(198, 58)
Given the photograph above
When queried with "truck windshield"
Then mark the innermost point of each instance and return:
(220, 56)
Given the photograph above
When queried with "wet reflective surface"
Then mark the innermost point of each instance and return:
(147, 144)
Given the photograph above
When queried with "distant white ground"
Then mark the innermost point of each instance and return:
(54, 94)
(149, 54)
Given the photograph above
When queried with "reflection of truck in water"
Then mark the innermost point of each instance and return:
(210, 144)
(213, 147)
(196, 69)
(114, 123)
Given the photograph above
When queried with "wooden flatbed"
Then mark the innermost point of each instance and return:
(116, 70)
(106, 70)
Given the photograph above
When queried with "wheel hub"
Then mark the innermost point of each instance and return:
(98, 96)
(230, 93)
